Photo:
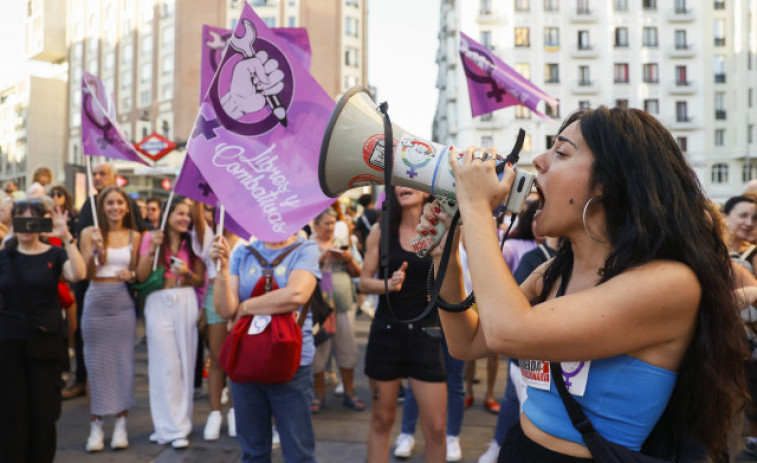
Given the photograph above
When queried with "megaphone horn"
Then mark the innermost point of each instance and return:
(352, 155)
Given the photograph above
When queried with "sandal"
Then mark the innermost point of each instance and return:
(353, 402)
(492, 406)
(316, 404)
(468, 401)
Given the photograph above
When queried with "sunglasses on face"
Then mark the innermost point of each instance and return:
(57, 193)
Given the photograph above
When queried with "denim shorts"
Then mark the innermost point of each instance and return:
(398, 350)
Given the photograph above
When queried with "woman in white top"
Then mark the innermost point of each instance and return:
(109, 319)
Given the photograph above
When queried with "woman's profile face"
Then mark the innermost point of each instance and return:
(180, 218)
(324, 228)
(741, 220)
(115, 207)
(563, 180)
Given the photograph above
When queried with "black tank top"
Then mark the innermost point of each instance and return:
(410, 301)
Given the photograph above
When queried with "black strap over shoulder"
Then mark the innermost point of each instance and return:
(264, 263)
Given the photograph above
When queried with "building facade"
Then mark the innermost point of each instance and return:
(693, 65)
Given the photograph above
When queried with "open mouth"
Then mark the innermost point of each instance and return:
(541, 198)
(406, 194)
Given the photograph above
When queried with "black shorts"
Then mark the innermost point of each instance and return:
(518, 448)
(397, 350)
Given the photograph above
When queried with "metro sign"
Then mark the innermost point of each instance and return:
(155, 146)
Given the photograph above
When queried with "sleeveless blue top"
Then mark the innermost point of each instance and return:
(624, 398)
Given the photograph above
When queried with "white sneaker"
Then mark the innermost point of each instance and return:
(404, 446)
(453, 449)
(120, 438)
(276, 440)
(224, 396)
(153, 438)
(180, 443)
(213, 426)
(231, 423)
(95, 440)
(491, 454)
(339, 389)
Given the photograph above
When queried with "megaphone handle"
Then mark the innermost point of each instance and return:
(423, 244)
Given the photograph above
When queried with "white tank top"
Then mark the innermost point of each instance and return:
(118, 259)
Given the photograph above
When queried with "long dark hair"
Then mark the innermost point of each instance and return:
(656, 209)
(185, 239)
(524, 230)
(127, 222)
(68, 205)
(395, 211)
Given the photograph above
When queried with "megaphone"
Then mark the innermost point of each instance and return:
(352, 155)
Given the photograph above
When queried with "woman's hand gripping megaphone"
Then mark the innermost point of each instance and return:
(476, 181)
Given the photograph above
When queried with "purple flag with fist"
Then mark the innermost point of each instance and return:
(493, 85)
(258, 133)
(100, 133)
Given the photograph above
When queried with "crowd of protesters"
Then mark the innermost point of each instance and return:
(68, 286)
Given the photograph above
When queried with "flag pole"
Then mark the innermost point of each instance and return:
(219, 228)
(163, 225)
(91, 187)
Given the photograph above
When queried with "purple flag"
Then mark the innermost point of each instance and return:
(258, 133)
(100, 133)
(214, 41)
(493, 85)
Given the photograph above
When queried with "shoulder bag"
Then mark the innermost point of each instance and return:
(249, 355)
(153, 282)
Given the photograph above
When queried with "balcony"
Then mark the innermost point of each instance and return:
(582, 87)
(682, 88)
(720, 114)
(681, 15)
(683, 123)
(719, 41)
(685, 51)
(586, 51)
(583, 16)
(719, 78)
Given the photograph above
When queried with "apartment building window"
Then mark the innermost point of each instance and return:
(522, 112)
(146, 11)
(166, 64)
(522, 5)
(553, 112)
(487, 141)
(584, 76)
(522, 37)
(486, 39)
(682, 111)
(145, 73)
(680, 40)
(750, 98)
(167, 9)
(719, 173)
(551, 38)
(719, 137)
(582, 7)
(551, 5)
(621, 36)
(350, 57)
(720, 112)
(349, 82)
(292, 21)
(127, 54)
(166, 92)
(167, 36)
(621, 73)
(651, 73)
(682, 143)
(550, 141)
(165, 129)
(485, 7)
(681, 75)
(144, 100)
(125, 104)
(527, 143)
(649, 37)
(680, 6)
(718, 32)
(750, 133)
(78, 50)
(649, 4)
(523, 69)
(621, 103)
(145, 45)
(719, 4)
(621, 5)
(718, 67)
(270, 22)
(748, 171)
(352, 3)
(350, 26)
(584, 104)
(583, 40)
(652, 106)
(551, 73)
(126, 81)
(110, 60)
(486, 117)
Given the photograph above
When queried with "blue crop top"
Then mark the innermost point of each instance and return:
(623, 397)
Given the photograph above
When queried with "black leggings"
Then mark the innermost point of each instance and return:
(518, 448)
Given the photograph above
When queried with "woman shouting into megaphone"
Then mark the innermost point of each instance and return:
(630, 306)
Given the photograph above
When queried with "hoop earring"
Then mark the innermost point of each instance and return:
(583, 219)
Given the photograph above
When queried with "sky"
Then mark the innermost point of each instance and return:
(402, 47)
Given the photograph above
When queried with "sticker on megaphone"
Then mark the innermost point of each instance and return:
(519, 191)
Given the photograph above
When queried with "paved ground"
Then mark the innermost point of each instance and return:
(340, 432)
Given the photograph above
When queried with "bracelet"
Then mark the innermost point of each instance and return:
(444, 305)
